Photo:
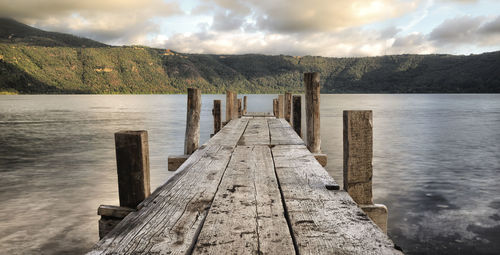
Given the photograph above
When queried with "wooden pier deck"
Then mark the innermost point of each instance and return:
(253, 188)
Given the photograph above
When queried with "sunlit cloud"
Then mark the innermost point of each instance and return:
(293, 27)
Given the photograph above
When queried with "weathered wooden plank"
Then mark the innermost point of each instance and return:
(256, 133)
(259, 114)
(323, 221)
(247, 216)
(169, 220)
(230, 134)
(282, 133)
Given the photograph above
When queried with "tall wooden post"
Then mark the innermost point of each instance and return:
(192, 138)
(288, 107)
(240, 109)
(312, 88)
(281, 103)
(229, 105)
(244, 105)
(297, 114)
(358, 151)
(358, 169)
(132, 161)
(235, 106)
(216, 112)
(275, 107)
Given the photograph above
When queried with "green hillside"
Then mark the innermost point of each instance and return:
(35, 61)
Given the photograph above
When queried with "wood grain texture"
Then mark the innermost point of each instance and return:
(240, 109)
(312, 87)
(281, 105)
(175, 161)
(297, 114)
(132, 163)
(246, 216)
(229, 105)
(192, 136)
(282, 133)
(216, 113)
(358, 154)
(256, 133)
(244, 105)
(234, 112)
(169, 220)
(275, 107)
(230, 134)
(323, 221)
(287, 109)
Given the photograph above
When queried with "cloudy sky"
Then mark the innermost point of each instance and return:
(294, 27)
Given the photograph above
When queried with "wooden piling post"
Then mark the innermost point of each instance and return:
(288, 107)
(240, 109)
(192, 138)
(216, 112)
(358, 169)
(244, 105)
(275, 107)
(235, 106)
(297, 114)
(132, 161)
(229, 105)
(312, 88)
(281, 103)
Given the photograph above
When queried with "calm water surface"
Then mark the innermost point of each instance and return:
(436, 164)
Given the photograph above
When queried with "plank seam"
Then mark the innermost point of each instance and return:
(256, 210)
(202, 224)
(285, 210)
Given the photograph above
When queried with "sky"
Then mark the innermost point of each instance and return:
(332, 28)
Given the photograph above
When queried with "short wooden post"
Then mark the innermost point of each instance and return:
(229, 105)
(132, 161)
(297, 114)
(192, 137)
(275, 107)
(312, 88)
(244, 105)
(358, 169)
(288, 107)
(216, 112)
(240, 109)
(281, 103)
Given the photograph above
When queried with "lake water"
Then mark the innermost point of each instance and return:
(436, 164)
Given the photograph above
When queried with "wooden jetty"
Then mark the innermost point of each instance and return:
(253, 188)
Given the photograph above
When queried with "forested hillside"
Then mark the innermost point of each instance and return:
(35, 61)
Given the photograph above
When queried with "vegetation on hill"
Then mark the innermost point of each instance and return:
(35, 61)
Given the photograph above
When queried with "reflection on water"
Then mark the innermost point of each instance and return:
(436, 164)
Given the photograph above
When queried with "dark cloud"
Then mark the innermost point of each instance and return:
(467, 30)
(113, 21)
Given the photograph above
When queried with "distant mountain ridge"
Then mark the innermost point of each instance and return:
(12, 31)
(36, 61)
